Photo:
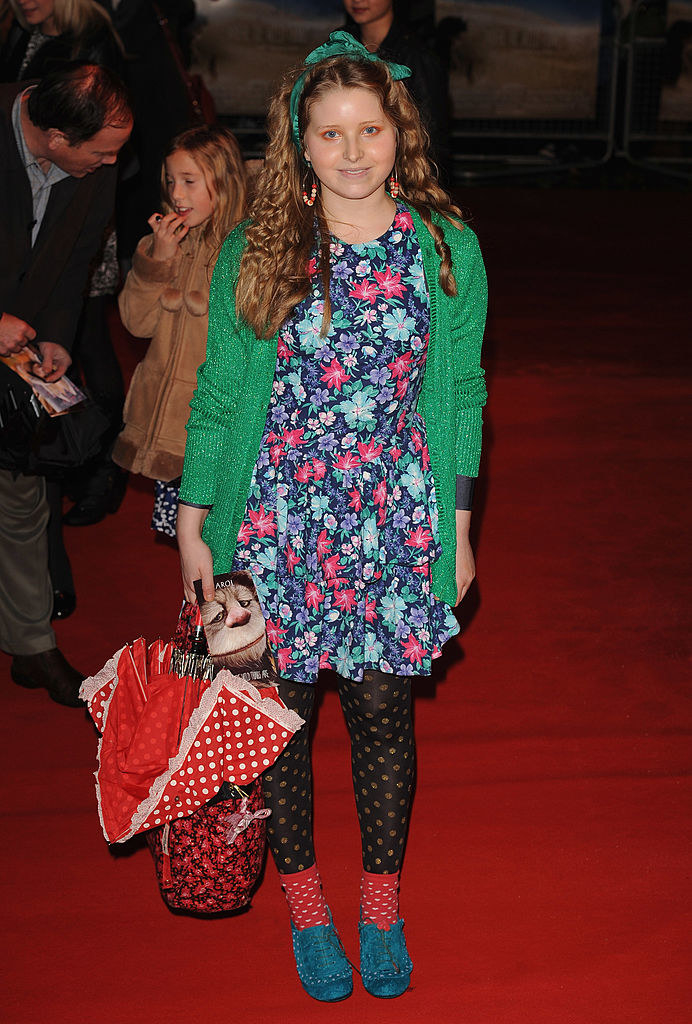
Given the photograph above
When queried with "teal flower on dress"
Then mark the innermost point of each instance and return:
(319, 503)
(398, 325)
(358, 410)
(371, 536)
(417, 278)
(309, 330)
(343, 662)
(393, 607)
(373, 648)
(414, 481)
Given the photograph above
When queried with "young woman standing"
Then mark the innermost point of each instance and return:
(332, 446)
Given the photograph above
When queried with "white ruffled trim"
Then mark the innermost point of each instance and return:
(283, 716)
(114, 676)
(87, 691)
(91, 686)
(225, 680)
(151, 801)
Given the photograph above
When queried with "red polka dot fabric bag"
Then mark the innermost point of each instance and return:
(168, 744)
(209, 861)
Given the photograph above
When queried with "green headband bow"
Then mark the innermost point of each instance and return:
(339, 44)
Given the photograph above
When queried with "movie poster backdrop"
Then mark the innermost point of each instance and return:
(517, 59)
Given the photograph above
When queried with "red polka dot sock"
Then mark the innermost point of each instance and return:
(379, 899)
(306, 903)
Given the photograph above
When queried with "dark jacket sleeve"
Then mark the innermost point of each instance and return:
(57, 319)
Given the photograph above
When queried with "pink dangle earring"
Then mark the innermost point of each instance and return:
(309, 200)
(394, 185)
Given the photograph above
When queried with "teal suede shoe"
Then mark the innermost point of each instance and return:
(323, 968)
(385, 965)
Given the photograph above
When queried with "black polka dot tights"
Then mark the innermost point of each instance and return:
(378, 717)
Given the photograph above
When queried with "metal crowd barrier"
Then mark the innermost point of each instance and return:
(657, 133)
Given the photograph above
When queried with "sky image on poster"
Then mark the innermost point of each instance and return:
(520, 59)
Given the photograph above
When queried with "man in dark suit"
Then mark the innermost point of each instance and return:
(59, 141)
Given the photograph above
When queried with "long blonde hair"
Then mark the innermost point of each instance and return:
(274, 269)
(216, 152)
(73, 16)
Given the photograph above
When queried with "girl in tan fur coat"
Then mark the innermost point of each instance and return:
(166, 298)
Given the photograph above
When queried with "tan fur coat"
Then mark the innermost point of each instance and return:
(167, 301)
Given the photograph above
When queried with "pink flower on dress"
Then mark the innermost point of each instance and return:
(370, 451)
(356, 501)
(367, 290)
(274, 632)
(319, 468)
(401, 365)
(276, 453)
(292, 559)
(421, 537)
(284, 657)
(379, 494)
(323, 545)
(332, 567)
(412, 649)
(244, 533)
(403, 221)
(293, 438)
(283, 351)
(313, 595)
(390, 284)
(346, 462)
(303, 473)
(370, 613)
(417, 439)
(263, 522)
(396, 453)
(345, 600)
(334, 375)
(401, 387)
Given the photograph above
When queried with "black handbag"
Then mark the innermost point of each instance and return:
(35, 443)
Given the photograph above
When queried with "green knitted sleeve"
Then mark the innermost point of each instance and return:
(214, 400)
(468, 325)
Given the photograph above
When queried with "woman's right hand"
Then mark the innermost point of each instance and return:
(196, 560)
(169, 231)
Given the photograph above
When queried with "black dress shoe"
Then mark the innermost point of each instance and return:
(104, 494)
(51, 670)
(64, 603)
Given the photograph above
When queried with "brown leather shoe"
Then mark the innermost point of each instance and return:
(51, 670)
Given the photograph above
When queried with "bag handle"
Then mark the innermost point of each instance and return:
(176, 54)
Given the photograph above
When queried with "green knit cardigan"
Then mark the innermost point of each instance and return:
(234, 384)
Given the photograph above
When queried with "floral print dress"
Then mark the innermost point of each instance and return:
(340, 528)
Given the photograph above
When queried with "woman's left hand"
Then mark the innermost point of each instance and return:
(465, 562)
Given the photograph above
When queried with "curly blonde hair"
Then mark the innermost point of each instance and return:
(216, 152)
(274, 269)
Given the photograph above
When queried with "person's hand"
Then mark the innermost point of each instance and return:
(465, 562)
(169, 232)
(196, 563)
(56, 361)
(15, 333)
(195, 557)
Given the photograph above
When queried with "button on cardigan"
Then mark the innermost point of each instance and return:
(229, 407)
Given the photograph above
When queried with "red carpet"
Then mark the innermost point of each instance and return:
(553, 741)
